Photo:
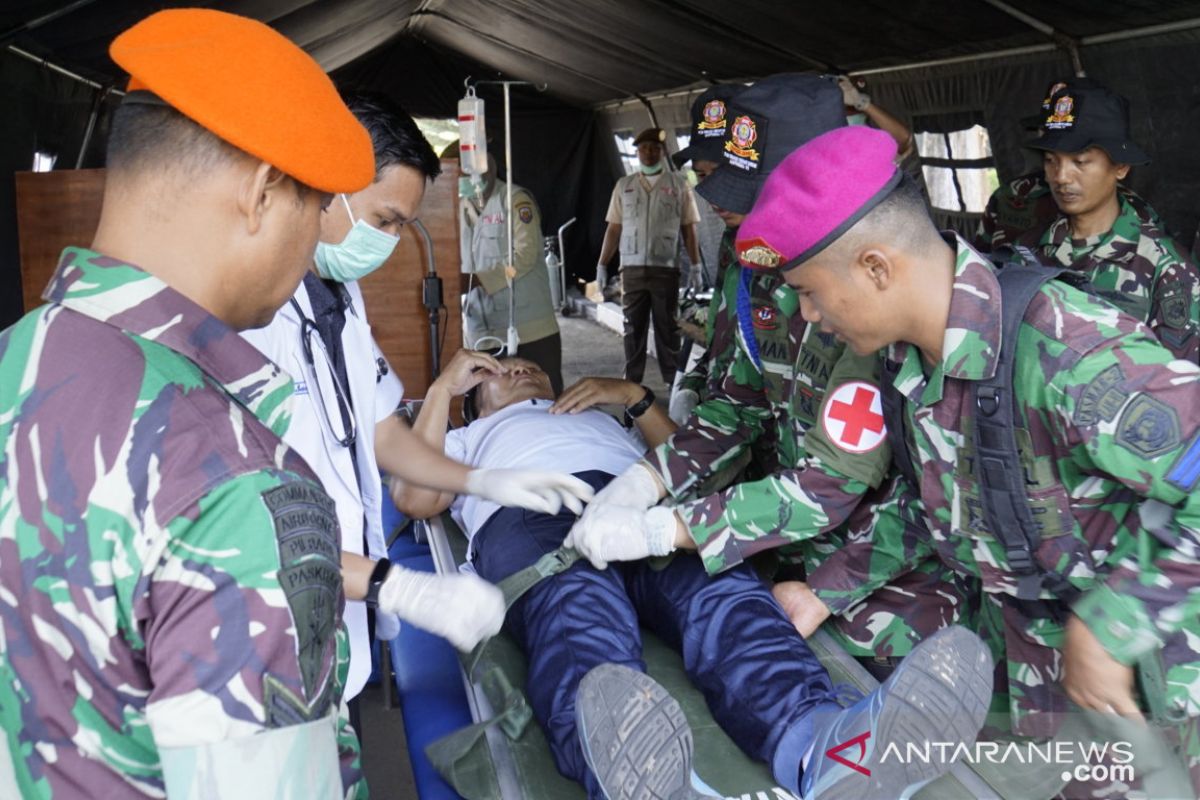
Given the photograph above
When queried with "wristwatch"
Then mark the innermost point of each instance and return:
(378, 575)
(637, 409)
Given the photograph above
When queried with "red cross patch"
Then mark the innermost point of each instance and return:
(853, 417)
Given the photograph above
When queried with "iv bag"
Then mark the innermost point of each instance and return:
(472, 148)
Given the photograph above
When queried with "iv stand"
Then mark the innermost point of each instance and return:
(513, 339)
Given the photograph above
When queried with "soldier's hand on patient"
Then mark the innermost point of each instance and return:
(589, 392)
(466, 370)
(536, 490)
(464, 609)
(1094, 679)
(802, 606)
(636, 487)
(621, 533)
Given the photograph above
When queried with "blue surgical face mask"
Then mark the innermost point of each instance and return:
(856, 119)
(654, 170)
(358, 255)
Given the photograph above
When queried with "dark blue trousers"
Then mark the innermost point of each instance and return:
(757, 673)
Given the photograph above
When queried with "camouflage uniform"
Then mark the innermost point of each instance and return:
(169, 567)
(1111, 423)
(720, 322)
(1025, 206)
(1021, 205)
(784, 401)
(1137, 267)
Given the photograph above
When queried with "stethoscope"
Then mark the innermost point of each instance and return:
(308, 333)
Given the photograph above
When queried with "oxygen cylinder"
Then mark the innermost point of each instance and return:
(472, 148)
(553, 265)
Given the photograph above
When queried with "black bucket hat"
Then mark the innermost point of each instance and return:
(767, 121)
(710, 122)
(1033, 123)
(1082, 116)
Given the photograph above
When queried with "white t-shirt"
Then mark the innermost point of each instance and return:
(526, 436)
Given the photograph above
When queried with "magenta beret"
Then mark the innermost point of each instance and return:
(816, 195)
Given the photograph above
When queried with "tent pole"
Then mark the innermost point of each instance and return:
(1100, 38)
(649, 109)
(12, 48)
(1032, 22)
(101, 94)
(1137, 33)
(12, 33)
(941, 62)
(1067, 43)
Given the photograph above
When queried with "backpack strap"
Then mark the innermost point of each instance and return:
(897, 430)
(997, 457)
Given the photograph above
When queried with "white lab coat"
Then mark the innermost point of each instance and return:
(374, 397)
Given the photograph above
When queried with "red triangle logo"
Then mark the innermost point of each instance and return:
(856, 765)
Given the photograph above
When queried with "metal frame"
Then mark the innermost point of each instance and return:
(1097, 39)
(481, 709)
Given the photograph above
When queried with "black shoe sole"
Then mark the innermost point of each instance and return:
(635, 737)
(939, 693)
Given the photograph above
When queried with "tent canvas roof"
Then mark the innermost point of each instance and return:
(591, 51)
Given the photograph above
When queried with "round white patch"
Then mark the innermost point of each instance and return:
(852, 417)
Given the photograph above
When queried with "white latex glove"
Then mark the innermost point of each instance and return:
(462, 608)
(620, 533)
(683, 403)
(852, 96)
(546, 492)
(387, 626)
(636, 487)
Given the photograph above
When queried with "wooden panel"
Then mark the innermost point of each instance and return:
(57, 209)
(54, 210)
(393, 293)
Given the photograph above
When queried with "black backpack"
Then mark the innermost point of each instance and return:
(998, 461)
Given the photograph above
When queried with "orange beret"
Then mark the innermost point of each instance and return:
(252, 87)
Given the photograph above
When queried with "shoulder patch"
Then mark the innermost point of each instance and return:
(307, 534)
(852, 417)
(764, 318)
(525, 213)
(1185, 472)
(1148, 427)
(283, 708)
(1173, 306)
(1102, 398)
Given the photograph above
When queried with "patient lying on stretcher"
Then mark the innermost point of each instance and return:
(761, 681)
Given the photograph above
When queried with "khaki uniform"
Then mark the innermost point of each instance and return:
(651, 211)
(483, 244)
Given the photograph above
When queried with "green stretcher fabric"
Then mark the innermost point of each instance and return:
(467, 758)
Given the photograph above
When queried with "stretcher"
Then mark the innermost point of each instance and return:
(502, 754)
